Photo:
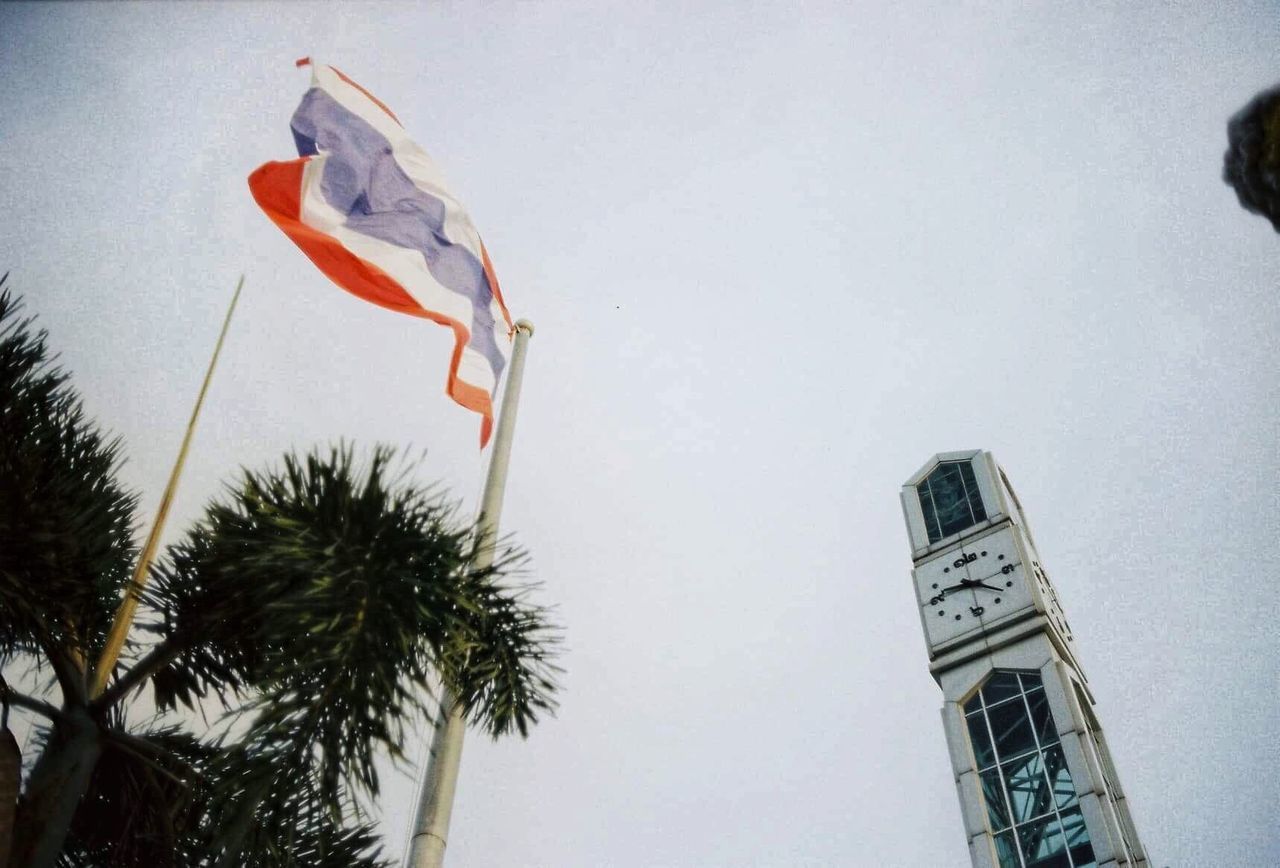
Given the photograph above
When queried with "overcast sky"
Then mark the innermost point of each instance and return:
(777, 256)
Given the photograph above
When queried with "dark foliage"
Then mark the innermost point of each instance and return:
(168, 800)
(354, 587)
(142, 803)
(66, 545)
(1251, 164)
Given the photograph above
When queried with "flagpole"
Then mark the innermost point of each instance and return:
(435, 803)
(124, 614)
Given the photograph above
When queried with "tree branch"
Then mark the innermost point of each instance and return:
(70, 679)
(30, 703)
(158, 658)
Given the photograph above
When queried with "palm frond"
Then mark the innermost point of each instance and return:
(66, 545)
(143, 808)
(256, 816)
(334, 594)
(499, 659)
(166, 799)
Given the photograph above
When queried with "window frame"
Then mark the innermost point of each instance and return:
(1055, 819)
(971, 497)
(985, 471)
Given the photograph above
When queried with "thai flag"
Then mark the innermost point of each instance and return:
(368, 206)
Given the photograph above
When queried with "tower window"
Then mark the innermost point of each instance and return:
(1031, 802)
(950, 500)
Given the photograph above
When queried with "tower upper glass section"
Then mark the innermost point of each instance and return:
(1032, 807)
(950, 500)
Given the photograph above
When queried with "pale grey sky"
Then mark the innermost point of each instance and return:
(777, 255)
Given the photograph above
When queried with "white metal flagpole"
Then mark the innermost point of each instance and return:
(435, 803)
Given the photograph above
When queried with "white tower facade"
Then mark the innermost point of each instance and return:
(1036, 782)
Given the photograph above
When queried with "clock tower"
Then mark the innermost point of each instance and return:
(1036, 783)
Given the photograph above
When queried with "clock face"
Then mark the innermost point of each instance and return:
(972, 588)
(1002, 565)
(946, 609)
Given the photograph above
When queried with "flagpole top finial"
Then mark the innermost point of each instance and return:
(523, 325)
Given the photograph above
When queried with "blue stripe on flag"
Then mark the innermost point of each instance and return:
(363, 181)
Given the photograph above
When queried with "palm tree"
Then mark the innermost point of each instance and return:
(315, 604)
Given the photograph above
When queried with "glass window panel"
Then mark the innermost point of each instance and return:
(1006, 851)
(950, 499)
(1043, 845)
(1030, 681)
(1029, 793)
(1041, 718)
(1073, 828)
(926, 508)
(973, 705)
(1077, 837)
(1011, 729)
(1055, 766)
(981, 741)
(1000, 686)
(993, 795)
(971, 487)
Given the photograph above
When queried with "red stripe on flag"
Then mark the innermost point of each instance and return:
(277, 188)
(379, 103)
(493, 287)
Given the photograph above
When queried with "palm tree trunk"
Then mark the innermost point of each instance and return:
(57, 783)
(10, 780)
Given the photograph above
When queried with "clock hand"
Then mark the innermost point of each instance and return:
(975, 583)
(963, 583)
(942, 595)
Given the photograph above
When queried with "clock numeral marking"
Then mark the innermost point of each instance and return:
(1008, 568)
(976, 610)
(966, 559)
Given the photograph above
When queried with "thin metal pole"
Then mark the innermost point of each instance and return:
(124, 614)
(435, 803)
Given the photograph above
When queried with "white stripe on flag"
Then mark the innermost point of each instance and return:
(405, 266)
(412, 158)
